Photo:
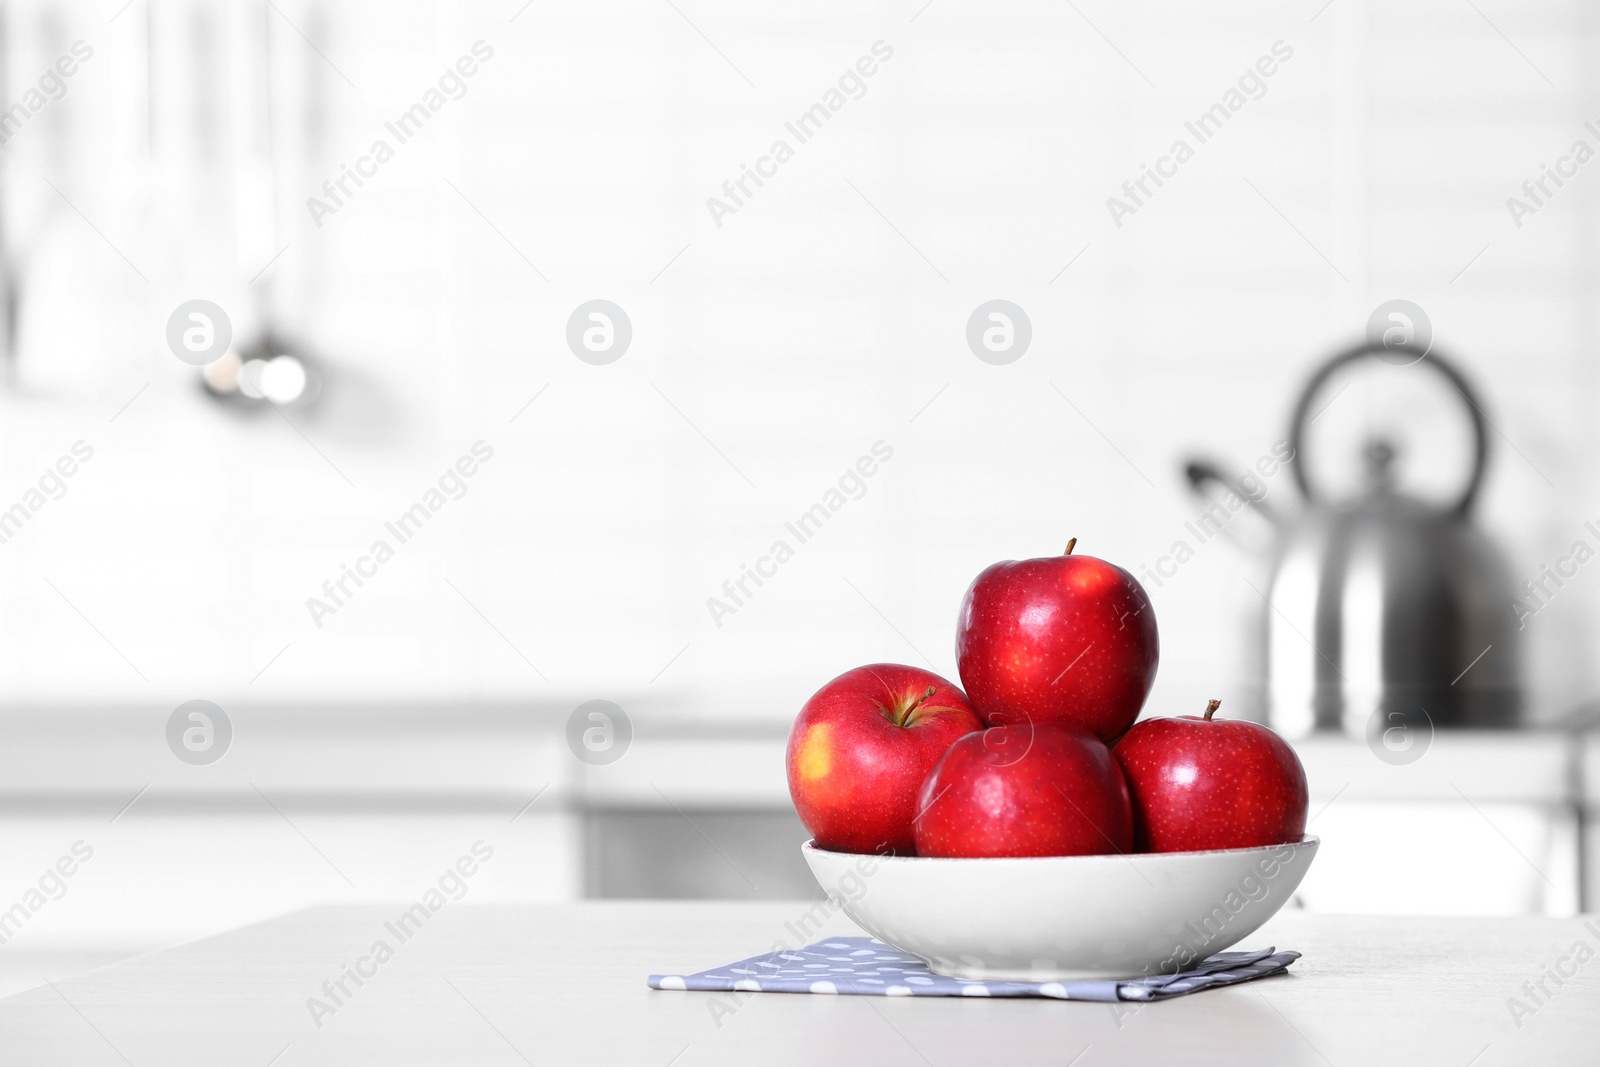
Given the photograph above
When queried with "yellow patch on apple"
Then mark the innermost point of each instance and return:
(815, 758)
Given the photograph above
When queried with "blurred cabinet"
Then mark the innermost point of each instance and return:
(327, 804)
(1482, 823)
(1589, 822)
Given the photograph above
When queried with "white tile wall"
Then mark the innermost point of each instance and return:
(789, 340)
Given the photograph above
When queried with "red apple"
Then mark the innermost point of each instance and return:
(1025, 791)
(1203, 783)
(1065, 639)
(860, 749)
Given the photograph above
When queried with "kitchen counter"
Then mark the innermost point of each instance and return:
(349, 804)
(489, 984)
(502, 752)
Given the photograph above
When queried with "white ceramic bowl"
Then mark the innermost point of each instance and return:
(1059, 917)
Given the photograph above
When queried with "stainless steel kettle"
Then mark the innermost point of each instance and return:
(1385, 611)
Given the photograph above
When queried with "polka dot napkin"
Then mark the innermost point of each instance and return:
(867, 966)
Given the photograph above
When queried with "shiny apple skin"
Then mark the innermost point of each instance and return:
(854, 771)
(1025, 791)
(1200, 785)
(1064, 639)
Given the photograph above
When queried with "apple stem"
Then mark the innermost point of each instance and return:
(905, 716)
(1211, 708)
(1070, 546)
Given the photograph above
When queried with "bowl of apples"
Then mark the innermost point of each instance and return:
(1025, 827)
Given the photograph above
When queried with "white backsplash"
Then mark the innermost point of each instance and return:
(768, 353)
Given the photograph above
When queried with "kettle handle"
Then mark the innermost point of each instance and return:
(1480, 422)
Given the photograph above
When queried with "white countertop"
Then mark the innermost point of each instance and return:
(565, 985)
(504, 752)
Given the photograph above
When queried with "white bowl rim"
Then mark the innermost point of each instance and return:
(1152, 857)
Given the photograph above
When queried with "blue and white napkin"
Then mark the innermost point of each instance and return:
(865, 966)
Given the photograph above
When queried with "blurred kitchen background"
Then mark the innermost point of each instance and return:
(424, 309)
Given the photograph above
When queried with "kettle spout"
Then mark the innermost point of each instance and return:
(1198, 472)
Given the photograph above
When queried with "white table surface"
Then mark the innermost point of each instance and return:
(565, 985)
